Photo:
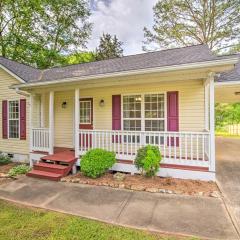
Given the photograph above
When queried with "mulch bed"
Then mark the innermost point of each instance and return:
(155, 184)
(4, 169)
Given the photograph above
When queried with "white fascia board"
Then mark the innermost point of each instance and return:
(12, 74)
(188, 66)
(227, 83)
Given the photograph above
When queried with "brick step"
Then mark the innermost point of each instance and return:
(44, 175)
(54, 168)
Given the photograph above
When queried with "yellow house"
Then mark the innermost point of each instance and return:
(163, 98)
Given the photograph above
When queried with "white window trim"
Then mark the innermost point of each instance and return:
(143, 110)
(91, 110)
(14, 119)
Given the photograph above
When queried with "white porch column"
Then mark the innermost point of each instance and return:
(42, 122)
(206, 95)
(51, 122)
(77, 121)
(212, 122)
(30, 126)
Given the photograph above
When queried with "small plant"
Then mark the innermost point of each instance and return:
(96, 162)
(4, 159)
(18, 170)
(148, 159)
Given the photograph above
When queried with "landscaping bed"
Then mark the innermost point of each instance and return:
(10, 171)
(149, 184)
(4, 169)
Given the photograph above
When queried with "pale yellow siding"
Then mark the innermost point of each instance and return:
(11, 145)
(191, 106)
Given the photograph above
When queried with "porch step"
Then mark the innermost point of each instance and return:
(44, 175)
(64, 157)
(54, 168)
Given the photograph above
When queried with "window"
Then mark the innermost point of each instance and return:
(132, 112)
(85, 111)
(154, 112)
(13, 119)
(144, 112)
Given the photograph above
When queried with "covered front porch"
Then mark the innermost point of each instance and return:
(83, 118)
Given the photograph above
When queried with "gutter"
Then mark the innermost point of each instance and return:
(135, 72)
(226, 83)
(23, 93)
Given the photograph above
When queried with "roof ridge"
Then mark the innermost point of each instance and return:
(117, 58)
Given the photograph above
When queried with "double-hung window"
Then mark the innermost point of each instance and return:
(144, 112)
(132, 114)
(13, 119)
(154, 115)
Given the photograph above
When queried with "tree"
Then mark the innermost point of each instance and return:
(109, 47)
(79, 57)
(179, 23)
(42, 32)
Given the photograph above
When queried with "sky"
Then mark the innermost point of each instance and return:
(123, 18)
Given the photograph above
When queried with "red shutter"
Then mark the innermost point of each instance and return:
(23, 119)
(5, 119)
(116, 112)
(116, 115)
(173, 115)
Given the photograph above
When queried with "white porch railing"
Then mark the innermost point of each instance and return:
(40, 139)
(181, 148)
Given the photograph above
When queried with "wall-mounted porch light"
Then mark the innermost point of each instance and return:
(101, 103)
(64, 105)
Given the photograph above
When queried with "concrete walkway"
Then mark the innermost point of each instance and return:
(228, 173)
(198, 216)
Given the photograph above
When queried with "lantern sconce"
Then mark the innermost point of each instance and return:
(102, 103)
(64, 105)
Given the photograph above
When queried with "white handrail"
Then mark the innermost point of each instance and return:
(40, 139)
(183, 148)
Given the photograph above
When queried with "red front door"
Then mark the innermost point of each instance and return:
(86, 121)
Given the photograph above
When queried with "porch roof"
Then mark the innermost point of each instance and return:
(178, 57)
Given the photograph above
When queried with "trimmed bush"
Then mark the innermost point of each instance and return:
(18, 170)
(96, 162)
(4, 159)
(148, 159)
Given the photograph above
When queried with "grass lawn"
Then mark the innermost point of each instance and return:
(22, 223)
(225, 134)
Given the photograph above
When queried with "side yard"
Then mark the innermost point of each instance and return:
(21, 223)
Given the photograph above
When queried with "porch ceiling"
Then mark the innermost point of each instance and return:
(226, 93)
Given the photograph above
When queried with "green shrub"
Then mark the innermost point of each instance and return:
(4, 159)
(20, 169)
(96, 162)
(148, 159)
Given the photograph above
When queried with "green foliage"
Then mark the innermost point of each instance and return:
(81, 57)
(226, 114)
(179, 23)
(109, 47)
(148, 159)
(96, 162)
(18, 170)
(42, 33)
(4, 159)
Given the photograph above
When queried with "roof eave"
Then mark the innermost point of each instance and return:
(13, 74)
(189, 66)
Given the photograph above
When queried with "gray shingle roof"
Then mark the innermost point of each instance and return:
(23, 71)
(233, 75)
(176, 56)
